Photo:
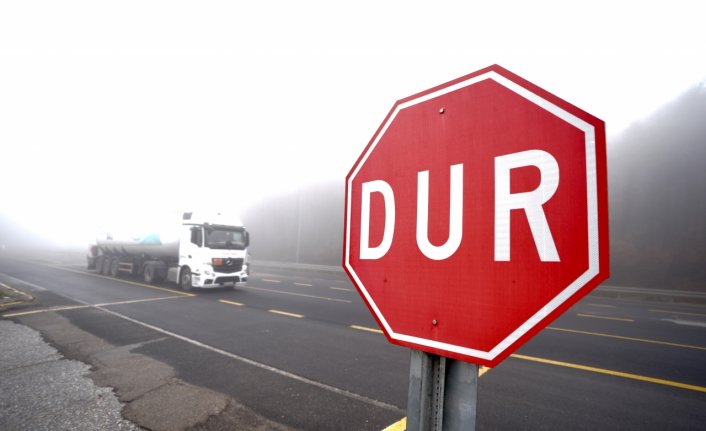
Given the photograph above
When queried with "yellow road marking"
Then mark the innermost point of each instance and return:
(304, 284)
(44, 310)
(271, 281)
(135, 301)
(284, 313)
(7, 304)
(400, 425)
(231, 302)
(482, 370)
(620, 337)
(365, 328)
(17, 291)
(622, 319)
(77, 307)
(341, 288)
(602, 305)
(121, 280)
(678, 312)
(611, 373)
(262, 289)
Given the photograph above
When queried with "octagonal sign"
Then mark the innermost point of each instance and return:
(476, 215)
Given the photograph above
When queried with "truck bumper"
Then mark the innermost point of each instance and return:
(219, 280)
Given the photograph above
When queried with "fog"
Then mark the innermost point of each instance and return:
(657, 192)
(111, 113)
(657, 203)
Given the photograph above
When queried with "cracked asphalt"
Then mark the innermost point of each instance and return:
(42, 390)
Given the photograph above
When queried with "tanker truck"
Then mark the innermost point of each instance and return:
(200, 250)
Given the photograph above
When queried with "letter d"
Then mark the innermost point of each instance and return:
(380, 186)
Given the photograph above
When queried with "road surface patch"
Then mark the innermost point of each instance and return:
(278, 371)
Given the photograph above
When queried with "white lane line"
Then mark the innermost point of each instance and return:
(286, 313)
(231, 302)
(304, 284)
(344, 289)
(593, 316)
(365, 328)
(324, 386)
(269, 280)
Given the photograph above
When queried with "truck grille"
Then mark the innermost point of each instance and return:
(229, 265)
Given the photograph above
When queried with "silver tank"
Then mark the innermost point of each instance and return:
(154, 245)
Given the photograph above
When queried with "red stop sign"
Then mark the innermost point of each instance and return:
(476, 215)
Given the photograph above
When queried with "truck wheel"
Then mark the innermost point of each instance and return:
(114, 264)
(99, 264)
(148, 275)
(106, 266)
(185, 278)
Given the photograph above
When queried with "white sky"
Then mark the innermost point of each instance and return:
(112, 109)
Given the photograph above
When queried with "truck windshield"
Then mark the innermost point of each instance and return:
(225, 238)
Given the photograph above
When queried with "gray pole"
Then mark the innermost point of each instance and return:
(299, 221)
(442, 394)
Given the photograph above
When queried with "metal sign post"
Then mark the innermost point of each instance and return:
(443, 393)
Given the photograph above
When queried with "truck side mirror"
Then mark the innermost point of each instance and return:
(247, 239)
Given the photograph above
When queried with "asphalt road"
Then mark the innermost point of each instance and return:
(299, 349)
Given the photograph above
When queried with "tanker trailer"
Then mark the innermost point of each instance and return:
(197, 251)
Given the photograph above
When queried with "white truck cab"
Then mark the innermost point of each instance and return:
(213, 252)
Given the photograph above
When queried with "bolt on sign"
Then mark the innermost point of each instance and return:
(476, 215)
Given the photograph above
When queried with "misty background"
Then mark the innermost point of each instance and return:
(110, 112)
(657, 204)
